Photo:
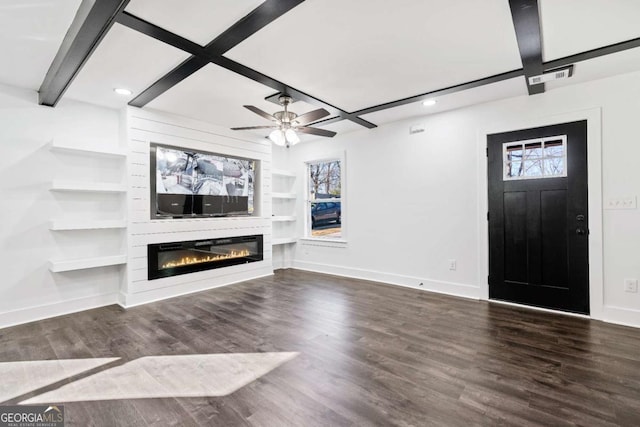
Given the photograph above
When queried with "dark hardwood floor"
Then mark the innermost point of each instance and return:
(370, 354)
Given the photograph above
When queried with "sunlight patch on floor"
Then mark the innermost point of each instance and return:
(199, 375)
(22, 377)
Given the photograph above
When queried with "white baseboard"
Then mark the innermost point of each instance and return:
(621, 316)
(151, 295)
(280, 264)
(31, 314)
(449, 288)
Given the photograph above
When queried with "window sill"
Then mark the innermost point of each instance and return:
(329, 243)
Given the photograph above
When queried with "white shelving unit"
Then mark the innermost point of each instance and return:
(283, 241)
(87, 187)
(57, 146)
(61, 265)
(284, 195)
(69, 224)
(83, 224)
(284, 208)
(281, 172)
(283, 218)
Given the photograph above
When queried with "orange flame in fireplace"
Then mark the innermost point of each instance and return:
(209, 258)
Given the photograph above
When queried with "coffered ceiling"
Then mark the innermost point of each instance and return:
(368, 62)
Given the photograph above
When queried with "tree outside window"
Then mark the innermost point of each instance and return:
(531, 159)
(324, 207)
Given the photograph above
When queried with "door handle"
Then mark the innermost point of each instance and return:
(580, 231)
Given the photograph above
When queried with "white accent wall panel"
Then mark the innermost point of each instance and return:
(145, 127)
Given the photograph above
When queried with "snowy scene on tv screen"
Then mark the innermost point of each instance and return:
(191, 172)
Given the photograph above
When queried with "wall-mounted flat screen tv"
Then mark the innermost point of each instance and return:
(194, 183)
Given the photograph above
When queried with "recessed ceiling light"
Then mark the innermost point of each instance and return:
(429, 102)
(122, 91)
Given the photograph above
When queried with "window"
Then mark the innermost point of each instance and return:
(536, 158)
(324, 202)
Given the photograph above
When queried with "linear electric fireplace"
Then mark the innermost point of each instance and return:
(171, 259)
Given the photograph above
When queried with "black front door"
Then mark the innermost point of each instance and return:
(538, 222)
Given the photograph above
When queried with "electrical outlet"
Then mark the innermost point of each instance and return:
(631, 285)
(452, 264)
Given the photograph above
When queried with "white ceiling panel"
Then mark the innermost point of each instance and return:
(501, 90)
(197, 20)
(359, 53)
(598, 68)
(31, 32)
(217, 96)
(574, 26)
(125, 59)
(343, 126)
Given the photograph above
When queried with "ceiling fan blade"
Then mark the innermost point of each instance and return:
(316, 131)
(255, 127)
(260, 112)
(311, 116)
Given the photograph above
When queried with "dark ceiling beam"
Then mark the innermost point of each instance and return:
(526, 21)
(169, 80)
(202, 56)
(257, 19)
(451, 89)
(341, 115)
(591, 54)
(283, 88)
(160, 34)
(325, 122)
(91, 23)
(550, 65)
(203, 53)
(179, 73)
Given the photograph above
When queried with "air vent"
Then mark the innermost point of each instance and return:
(561, 74)
(564, 73)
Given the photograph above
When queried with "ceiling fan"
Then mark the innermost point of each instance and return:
(287, 123)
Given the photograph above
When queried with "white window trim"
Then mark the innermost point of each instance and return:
(563, 138)
(339, 157)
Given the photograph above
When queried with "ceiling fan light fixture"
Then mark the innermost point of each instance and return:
(277, 136)
(291, 136)
(286, 124)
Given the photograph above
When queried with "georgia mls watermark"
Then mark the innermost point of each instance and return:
(32, 416)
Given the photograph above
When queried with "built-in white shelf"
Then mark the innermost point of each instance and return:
(283, 240)
(85, 224)
(281, 172)
(83, 186)
(64, 147)
(284, 195)
(60, 265)
(284, 234)
(282, 218)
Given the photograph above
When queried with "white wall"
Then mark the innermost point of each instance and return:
(28, 290)
(145, 127)
(414, 201)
